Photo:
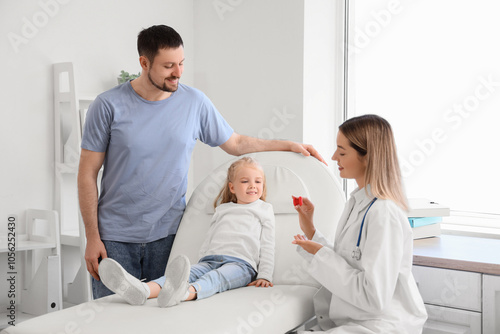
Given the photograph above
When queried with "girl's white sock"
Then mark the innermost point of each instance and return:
(148, 290)
(186, 295)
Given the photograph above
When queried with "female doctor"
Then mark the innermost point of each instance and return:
(367, 284)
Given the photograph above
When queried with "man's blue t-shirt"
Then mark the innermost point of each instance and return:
(148, 147)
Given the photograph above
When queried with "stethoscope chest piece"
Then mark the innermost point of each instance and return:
(356, 253)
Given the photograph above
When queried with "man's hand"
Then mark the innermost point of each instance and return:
(95, 250)
(307, 150)
(309, 246)
(239, 144)
(261, 282)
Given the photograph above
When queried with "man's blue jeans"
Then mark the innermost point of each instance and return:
(141, 260)
(218, 273)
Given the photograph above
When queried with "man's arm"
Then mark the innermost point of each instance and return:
(239, 144)
(90, 163)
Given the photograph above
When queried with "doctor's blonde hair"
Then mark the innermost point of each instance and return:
(371, 136)
(225, 195)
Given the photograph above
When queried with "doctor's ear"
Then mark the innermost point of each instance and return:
(363, 159)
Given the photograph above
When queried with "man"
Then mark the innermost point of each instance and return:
(144, 132)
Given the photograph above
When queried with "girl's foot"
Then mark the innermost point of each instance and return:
(115, 278)
(177, 282)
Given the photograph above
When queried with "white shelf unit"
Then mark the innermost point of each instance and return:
(40, 250)
(69, 113)
(67, 140)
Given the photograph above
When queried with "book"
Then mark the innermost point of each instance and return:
(420, 207)
(427, 231)
(422, 221)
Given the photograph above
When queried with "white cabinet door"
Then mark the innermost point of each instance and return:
(444, 320)
(491, 304)
(451, 288)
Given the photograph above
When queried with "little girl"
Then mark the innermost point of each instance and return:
(238, 250)
(367, 284)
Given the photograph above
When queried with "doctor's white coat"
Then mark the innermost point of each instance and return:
(378, 293)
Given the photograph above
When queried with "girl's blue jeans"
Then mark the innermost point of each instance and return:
(218, 273)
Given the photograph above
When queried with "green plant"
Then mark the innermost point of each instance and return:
(125, 76)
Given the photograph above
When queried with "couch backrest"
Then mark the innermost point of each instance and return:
(287, 174)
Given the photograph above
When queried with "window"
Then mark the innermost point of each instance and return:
(432, 69)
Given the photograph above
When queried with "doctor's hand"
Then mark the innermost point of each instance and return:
(309, 246)
(95, 249)
(306, 213)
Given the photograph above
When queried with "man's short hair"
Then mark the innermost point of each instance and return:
(154, 38)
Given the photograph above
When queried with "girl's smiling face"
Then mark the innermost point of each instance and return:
(351, 164)
(247, 185)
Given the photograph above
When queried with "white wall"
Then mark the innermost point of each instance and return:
(323, 79)
(265, 64)
(99, 37)
(249, 61)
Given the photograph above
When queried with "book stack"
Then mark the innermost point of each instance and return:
(425, 217)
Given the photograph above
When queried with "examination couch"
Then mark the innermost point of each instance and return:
(273, 310)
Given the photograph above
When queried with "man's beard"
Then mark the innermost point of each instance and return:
(164, 88)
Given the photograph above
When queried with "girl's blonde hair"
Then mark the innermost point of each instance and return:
(371, 136)
(225, 195)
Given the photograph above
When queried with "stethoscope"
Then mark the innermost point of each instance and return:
(356, 253)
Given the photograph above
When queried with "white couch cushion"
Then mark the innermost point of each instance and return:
(246, 310)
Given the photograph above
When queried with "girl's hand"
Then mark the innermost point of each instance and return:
(306, 213)
(308, 245)
(261, 282)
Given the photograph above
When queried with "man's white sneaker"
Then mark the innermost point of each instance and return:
(118, 280)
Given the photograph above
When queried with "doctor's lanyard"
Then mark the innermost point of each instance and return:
(356, 253)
